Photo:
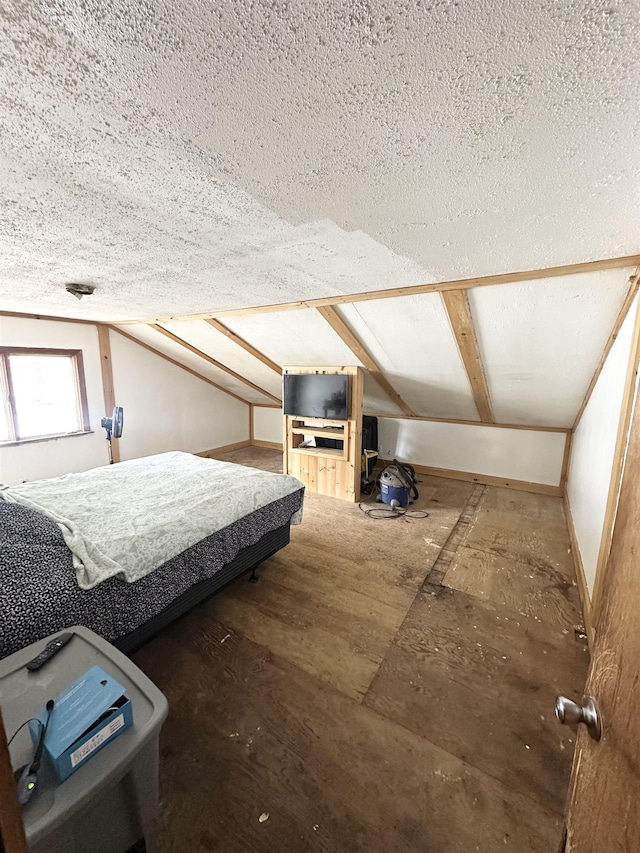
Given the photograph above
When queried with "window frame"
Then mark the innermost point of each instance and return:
(6, 382)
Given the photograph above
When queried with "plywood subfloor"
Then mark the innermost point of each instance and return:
(517, 555)
(362, 703)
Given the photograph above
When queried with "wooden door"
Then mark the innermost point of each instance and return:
(604, 804)
(12, 839)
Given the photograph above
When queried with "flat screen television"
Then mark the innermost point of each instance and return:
(317, 395)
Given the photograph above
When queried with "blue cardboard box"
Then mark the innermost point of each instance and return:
(85, 717)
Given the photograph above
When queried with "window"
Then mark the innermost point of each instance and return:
(43, 393)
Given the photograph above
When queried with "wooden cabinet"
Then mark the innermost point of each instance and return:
(327, 471)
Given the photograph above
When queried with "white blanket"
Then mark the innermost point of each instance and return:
(125, 520)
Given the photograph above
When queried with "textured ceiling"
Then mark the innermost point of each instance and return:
(187, 156)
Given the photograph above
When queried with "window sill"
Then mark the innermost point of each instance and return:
(39, 438)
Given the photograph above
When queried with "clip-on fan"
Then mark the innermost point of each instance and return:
(113, 426)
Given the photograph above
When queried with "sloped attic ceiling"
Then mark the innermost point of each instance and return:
(539, 342)
(192, 158)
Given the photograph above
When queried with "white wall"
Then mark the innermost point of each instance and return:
(166, 408)
(513, 454)
(529, 329)
(267, 424)
(592, 451)
(37, 460)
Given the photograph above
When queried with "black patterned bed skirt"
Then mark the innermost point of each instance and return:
(39, 594)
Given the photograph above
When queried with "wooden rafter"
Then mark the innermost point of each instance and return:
(388, 293)
(26, 316)
(220, 327)
(414, 290)
(108, 388)
(528, 427)
(357, 348)
(212, 361)
(179, 364)
(634, 285)
(457, 304)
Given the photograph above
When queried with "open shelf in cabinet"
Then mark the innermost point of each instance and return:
(327, 470)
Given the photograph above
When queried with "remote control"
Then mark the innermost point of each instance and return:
(49, 651)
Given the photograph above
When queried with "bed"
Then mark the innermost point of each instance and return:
(40, 593)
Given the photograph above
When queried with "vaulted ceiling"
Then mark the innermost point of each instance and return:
(538, 344)
(188, 158)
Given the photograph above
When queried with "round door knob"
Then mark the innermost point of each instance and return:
(569, 713)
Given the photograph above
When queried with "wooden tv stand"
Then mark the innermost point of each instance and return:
(327, 471)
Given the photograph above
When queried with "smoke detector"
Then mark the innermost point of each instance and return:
(80, 291)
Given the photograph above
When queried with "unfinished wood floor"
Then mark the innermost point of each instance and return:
(387, 686)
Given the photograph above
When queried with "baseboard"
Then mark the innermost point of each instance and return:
(486, 479)
(581, 578)
(225, 448)
(238, 445)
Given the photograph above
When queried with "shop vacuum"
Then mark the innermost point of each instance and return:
(398, 484)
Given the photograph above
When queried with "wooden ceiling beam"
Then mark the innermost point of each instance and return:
(528, 427)
(457, 304)
(357, 348)
(389, 293)
(178, 364)
(220, 327)
(416, 289)
(634, 285)
(24, 316)
(212, 361)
